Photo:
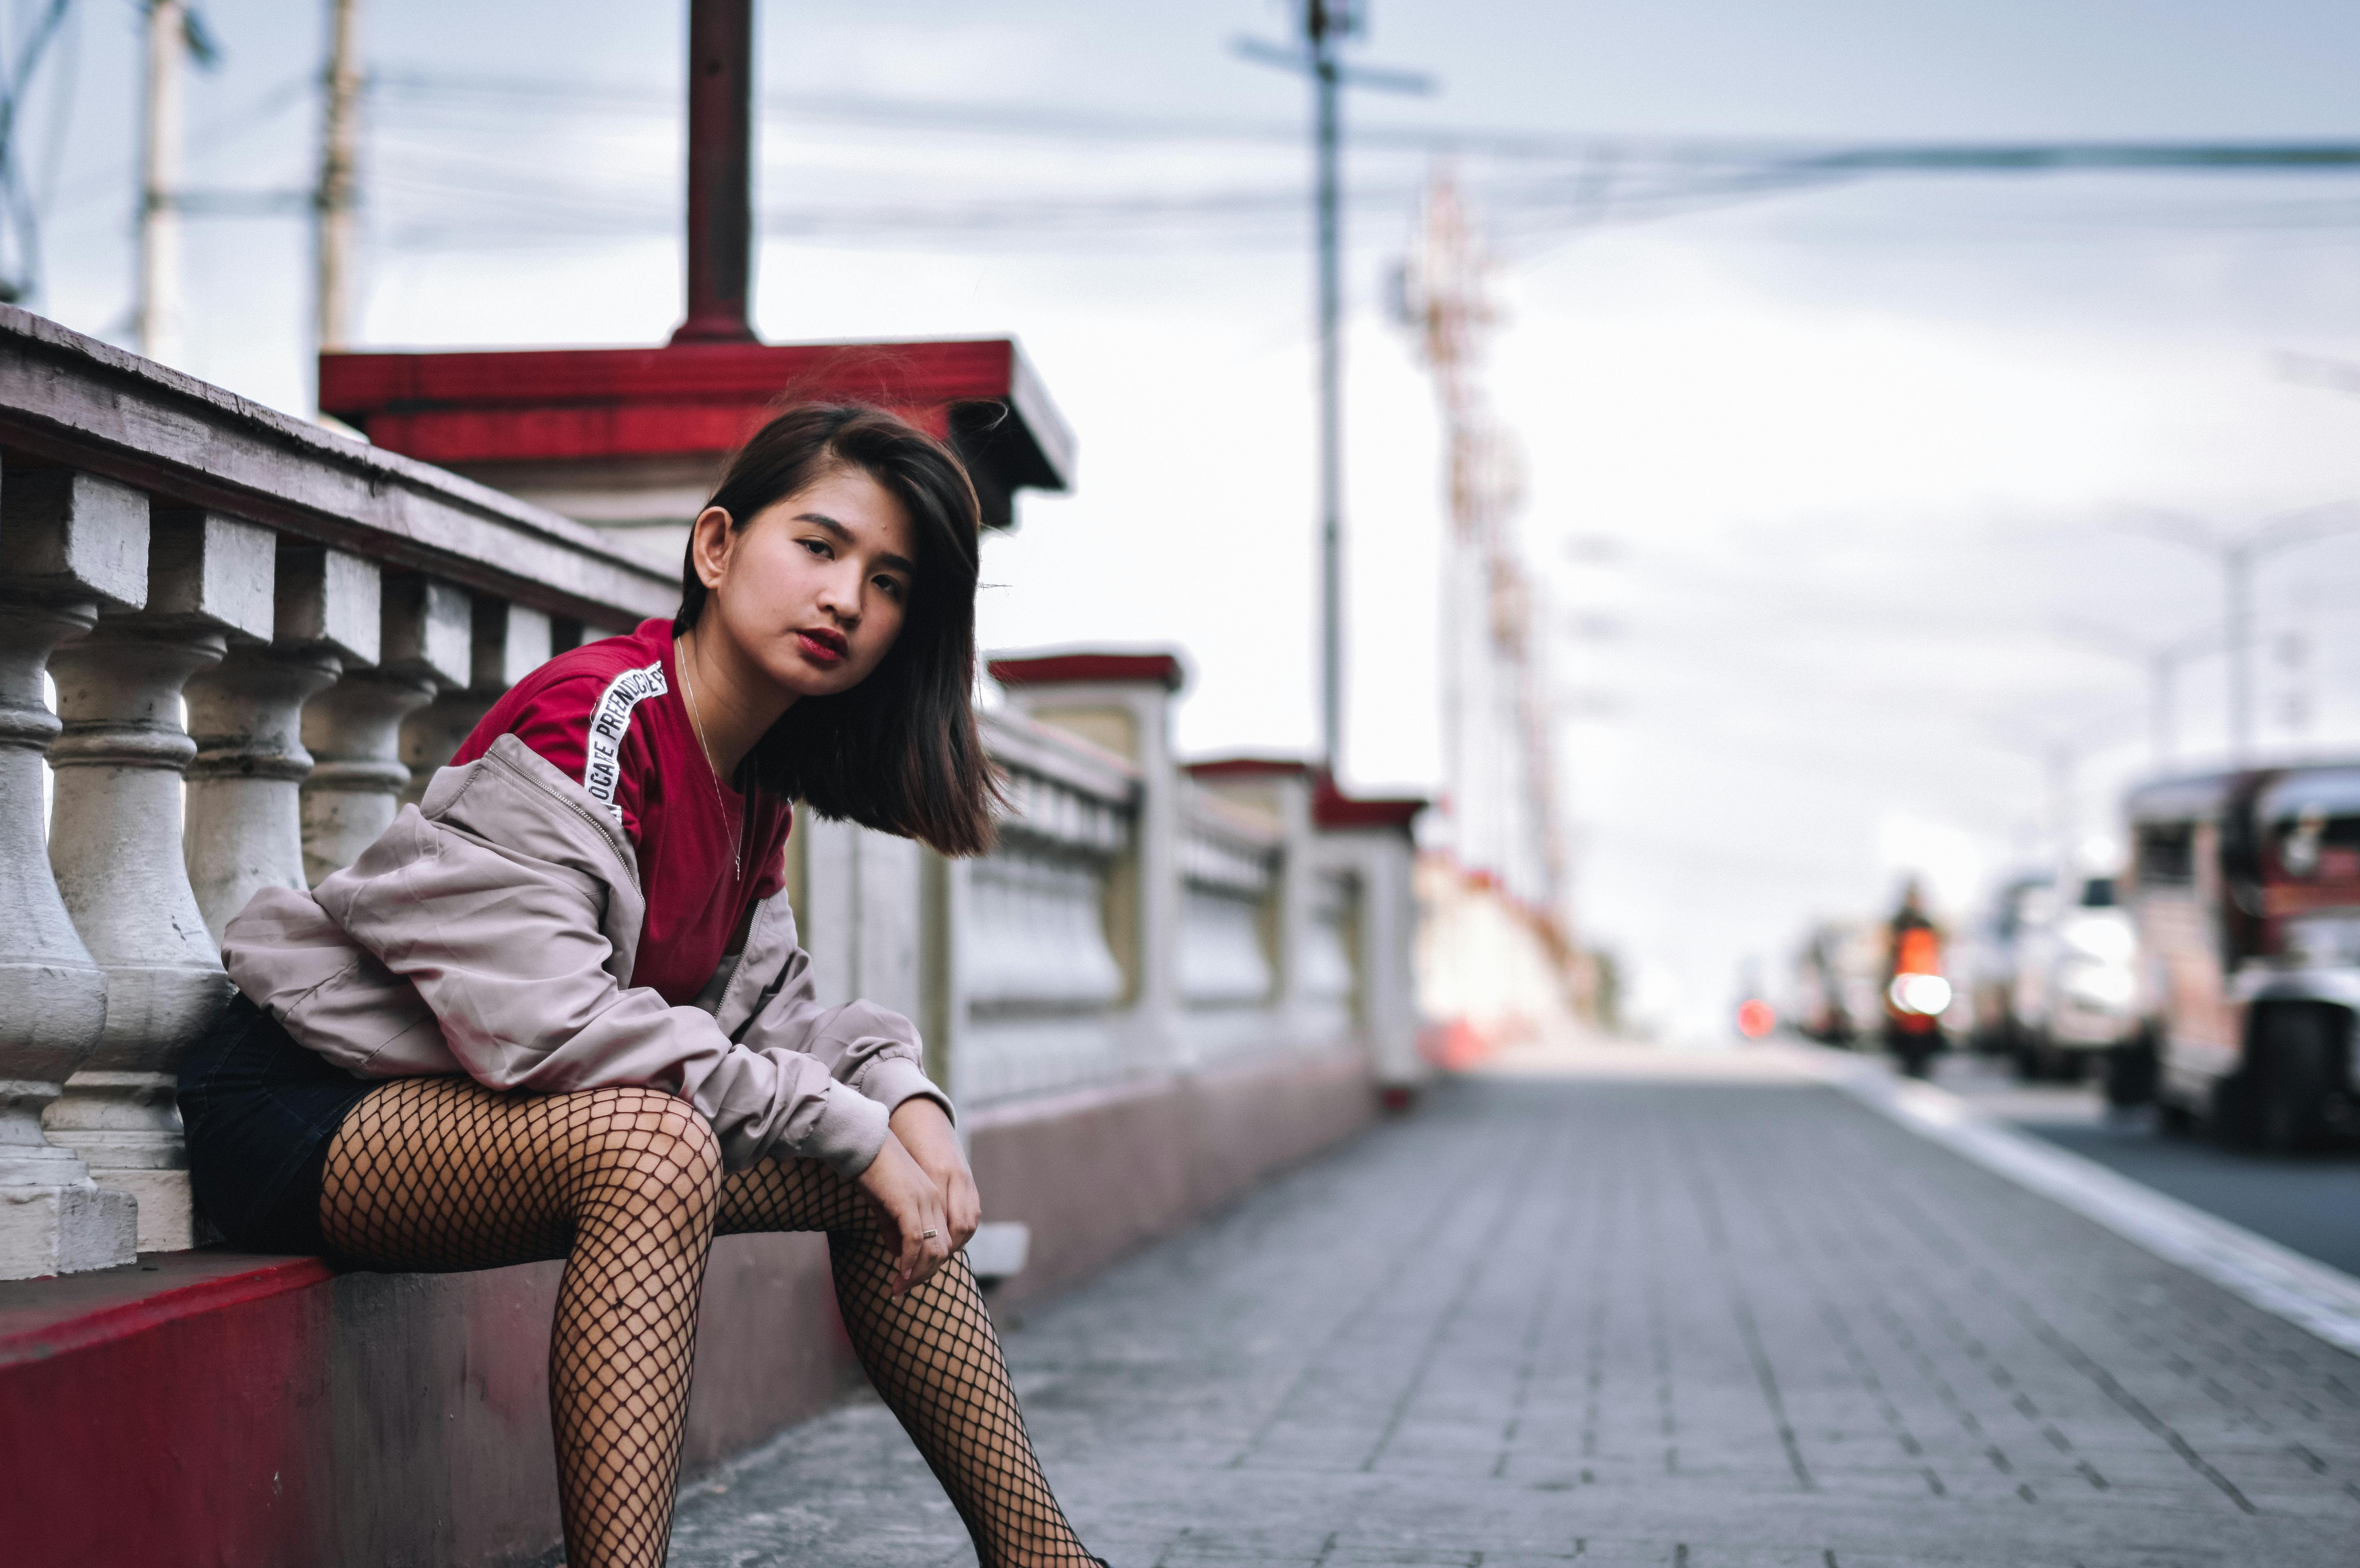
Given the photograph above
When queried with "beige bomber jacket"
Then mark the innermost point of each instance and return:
(491, 932)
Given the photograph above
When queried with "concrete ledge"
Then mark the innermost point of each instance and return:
(219, 1408)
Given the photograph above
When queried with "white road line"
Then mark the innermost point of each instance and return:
(2303, 1291)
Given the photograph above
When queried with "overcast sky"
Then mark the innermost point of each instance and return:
(1865, 452)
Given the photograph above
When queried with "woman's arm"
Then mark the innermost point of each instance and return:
(772, 1002)
(492, 909)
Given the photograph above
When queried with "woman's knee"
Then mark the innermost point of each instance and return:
(654, 1146)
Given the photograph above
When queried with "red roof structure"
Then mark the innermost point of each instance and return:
(475, 410)
(1082, 669)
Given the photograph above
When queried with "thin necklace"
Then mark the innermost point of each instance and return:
(711, 772)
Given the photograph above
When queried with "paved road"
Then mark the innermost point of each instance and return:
(2310, 1203)
(1677, 1311)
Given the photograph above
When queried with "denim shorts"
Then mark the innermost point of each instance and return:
(259, 1110)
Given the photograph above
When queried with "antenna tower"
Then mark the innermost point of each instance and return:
(1497, 733)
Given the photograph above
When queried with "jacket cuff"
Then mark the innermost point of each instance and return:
(850, 1130)
(889, 1080)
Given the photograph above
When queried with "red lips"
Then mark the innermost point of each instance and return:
(823, 644)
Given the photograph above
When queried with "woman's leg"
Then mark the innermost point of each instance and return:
(441, 1173)
(932, 1354)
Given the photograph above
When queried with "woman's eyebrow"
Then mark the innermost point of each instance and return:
(897, 563)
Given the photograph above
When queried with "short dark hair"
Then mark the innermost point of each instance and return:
(900, 752)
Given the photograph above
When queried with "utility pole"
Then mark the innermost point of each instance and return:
(337, 200)
(157, 313)
(1325, 25)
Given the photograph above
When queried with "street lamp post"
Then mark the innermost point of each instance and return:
(2059, 750)
(1324, 23)
(2160, 663)
(2237, 559)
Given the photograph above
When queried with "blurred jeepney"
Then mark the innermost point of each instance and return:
(2245, 891)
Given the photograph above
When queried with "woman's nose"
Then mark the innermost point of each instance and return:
(840, 596)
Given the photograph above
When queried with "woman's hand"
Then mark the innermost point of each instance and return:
(912, 1206)
(925, 1131)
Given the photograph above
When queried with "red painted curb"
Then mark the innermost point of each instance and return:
(105, 1324)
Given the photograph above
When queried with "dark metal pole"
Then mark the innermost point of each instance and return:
(720, 171)
(1322, 25)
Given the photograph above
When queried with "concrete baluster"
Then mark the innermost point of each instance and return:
(246, 830)
(69, 542)
(509, 642)
(352, 730)
(115, 843)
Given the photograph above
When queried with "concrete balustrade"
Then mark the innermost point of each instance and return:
(354, 729)
(1346, 918)
(305, 594)
(506, 643)
(66, 550)
(245, 816)
(1205, 960)
(1046, 938)
(1232, 948)
(115, 842)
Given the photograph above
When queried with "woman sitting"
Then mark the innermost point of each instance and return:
(559, 1010)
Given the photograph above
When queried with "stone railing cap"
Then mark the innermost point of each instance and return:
(72, 401)
(1015, 741)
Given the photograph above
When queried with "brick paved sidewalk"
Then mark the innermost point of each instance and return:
(1635, 1310)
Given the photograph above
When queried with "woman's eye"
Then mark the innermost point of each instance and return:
(892, 587)
(819, 548)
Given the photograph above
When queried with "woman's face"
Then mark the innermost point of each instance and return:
(813, 589)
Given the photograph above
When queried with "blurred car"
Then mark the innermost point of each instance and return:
(1987, 959)
(2245, 891)
(2073, 998)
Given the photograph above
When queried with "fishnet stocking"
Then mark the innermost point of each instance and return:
(625, 1185)
(931, 1354)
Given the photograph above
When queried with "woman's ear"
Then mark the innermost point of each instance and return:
(709, 545)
